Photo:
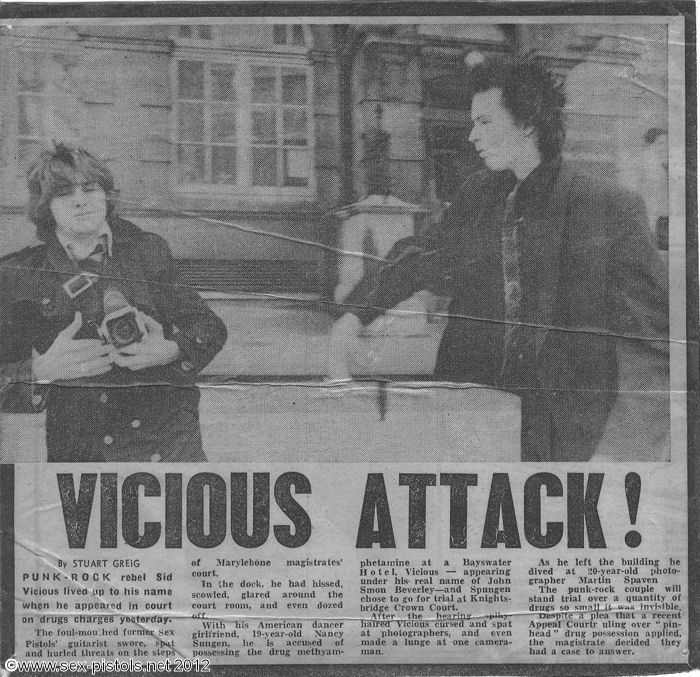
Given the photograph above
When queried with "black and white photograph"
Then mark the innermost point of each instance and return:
(374, 209)
(355, 339)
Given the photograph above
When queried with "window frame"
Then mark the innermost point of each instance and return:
(45, 53)
(200, 42)
(244, 63)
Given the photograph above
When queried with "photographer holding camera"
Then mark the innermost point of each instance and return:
(94, 328)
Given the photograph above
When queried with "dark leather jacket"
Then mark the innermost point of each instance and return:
(146, 415)
(598, 368)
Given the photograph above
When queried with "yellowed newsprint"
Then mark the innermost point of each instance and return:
(348, 339)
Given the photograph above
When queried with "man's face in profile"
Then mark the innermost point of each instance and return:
(498, 139)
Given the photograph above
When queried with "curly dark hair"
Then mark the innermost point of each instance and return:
(531, 94)
(53, 173)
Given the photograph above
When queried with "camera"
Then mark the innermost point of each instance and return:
(121, 326)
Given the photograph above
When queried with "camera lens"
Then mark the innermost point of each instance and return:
(124, 331)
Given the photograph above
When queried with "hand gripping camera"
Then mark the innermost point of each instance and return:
(122, 325)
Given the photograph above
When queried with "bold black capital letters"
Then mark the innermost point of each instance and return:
(375, 501)
(296, 514)
(130, 510)
(239, 509)
(76, 514)
(416, 484)
(584, 509)
(217, 510)
(500, 503)
(533, 510)
(458, 483)
(109, 509)
(173, 510)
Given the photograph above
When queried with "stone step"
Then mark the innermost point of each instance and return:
(315, 422)
(288, 336)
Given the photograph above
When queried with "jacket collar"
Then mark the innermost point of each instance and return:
(103, 236)
(535, 190)
(124, 233)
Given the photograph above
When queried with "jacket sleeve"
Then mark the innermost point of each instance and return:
(639, 316)
(18, 392)
(639, 279)
(187, 319)
(426, 261)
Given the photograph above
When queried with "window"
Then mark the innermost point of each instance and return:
(290, 34)
(452, 158)
(198, 33)
(279, 131)
(242, 124)
(44, 110)
(206, 123)
(31, 105)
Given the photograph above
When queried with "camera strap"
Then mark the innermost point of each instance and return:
(88, 272)
(84, 279)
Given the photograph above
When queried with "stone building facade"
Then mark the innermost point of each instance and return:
(239, 142)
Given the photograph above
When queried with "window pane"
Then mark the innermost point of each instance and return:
(205, 32)
(31, 109)
(223, 161)
(264, 128)
(296, 167)
(295, 128)
(264, 166)
(185, 32)
(31, 72)
(190, 79)
(223, 123)
(190, 164)
(190, 122)
(298, 35)
(223, 87)
(294, 87)
(263, 85)
(280, 35)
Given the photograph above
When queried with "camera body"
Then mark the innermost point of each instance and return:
(121, 326)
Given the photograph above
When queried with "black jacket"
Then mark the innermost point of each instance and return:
(596, 291)
(146, 415)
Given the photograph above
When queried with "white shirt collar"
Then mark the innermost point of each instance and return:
(104, 231)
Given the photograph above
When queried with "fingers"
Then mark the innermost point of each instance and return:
(92, 352)
(74, 360)
(128, 360)
(73, 328)
(150, 324)
(86, 345)
(132, 349)
(95, 367)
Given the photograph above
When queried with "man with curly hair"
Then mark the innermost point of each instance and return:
(557, 292)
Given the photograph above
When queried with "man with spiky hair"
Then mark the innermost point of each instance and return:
(123, 391)
(557, 293)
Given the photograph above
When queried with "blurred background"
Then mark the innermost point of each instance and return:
(249, 145)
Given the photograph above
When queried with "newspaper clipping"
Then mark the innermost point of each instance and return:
(359, 340)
